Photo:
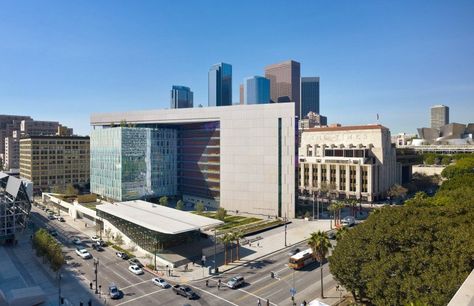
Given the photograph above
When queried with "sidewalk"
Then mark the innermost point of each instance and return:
(271, 242)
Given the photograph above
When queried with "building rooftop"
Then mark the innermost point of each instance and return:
(54, 137)
(157, 217)
(347, 128)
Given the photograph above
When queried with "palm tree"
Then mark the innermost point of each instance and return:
(341, 232)
(238, 234)
(231, 240)
(225, 240)
(319, 243)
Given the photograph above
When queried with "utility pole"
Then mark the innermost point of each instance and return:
(215, 250)
(59, 286)
(96, 266)
(285, 230)
(156, 250)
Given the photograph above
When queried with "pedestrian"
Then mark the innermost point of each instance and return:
(219, 285)
(169, 272)
(193, 262)
(90, 285)
(268, 302)
(258, 244)
(186, 267)
(207, 283)
(259, 303)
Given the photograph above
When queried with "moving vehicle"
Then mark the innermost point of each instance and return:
(135, 261)
(61, 219)
(114, 293)
(97, 247)
(294, 251)
(121, 255)
(185, 291)
(76, 241)
(301, 259)
(235, 282)
(348, 221)
(135, 269)
(83, 253)
(160, 282)
(51, 217)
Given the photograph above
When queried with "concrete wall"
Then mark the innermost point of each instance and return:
(248, 151)
(428, 170)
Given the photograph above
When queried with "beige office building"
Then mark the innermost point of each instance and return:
(52, 162)
(356, 162)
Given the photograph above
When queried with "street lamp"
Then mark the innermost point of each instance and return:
(215, 251)
(285, 229)
(96, 266)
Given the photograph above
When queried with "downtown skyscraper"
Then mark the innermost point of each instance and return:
(181, 97)
(309, 95)
(220, 85)
(256, 90)
(285, 83)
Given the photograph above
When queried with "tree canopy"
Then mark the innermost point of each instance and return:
(419, 252)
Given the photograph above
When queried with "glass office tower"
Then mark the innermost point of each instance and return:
(181, 97)
(256, 90)
(220, 85)
(309, 95)
(133, 163)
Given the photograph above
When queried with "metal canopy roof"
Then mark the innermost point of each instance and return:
(157, 217)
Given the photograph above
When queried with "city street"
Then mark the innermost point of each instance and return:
(139, 290)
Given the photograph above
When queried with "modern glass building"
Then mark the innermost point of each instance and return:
(309, 95)
(133, 163)
(220, 85)
(256, 90)
(181, 97)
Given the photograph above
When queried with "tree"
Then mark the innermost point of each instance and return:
(123, 123)
(404, 254)
(225, 239)
(70, 190)
(108, 233)
(341, 232)
(118, 239)
(320, 244)
(164, 201)
(446, 160)
(238, 234)
(180, 205)
(199, 208)
(221, 213)
(429, 158)
(396, 192)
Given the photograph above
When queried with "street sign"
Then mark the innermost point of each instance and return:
(293, 291)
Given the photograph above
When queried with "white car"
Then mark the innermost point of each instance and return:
(348, 221)
(135, 269)
(95, 238)
(83, 253)
(160, 282)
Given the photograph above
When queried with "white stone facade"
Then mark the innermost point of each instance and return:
(356, 162)
(257, 151)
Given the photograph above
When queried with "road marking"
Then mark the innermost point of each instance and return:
(216, 296)
(262, 288)
(139, 297)
(254, 295)
(136, 284)
(266, 277)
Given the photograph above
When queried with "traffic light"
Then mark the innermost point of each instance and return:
(272, 274)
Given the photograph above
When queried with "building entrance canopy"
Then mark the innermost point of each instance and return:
(157, 217)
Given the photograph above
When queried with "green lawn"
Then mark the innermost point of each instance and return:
(91, 205)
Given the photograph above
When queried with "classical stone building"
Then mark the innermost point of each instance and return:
(356, 162)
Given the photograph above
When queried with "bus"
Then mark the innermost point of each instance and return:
(301, 259)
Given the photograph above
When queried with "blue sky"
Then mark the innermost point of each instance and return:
(63, 60)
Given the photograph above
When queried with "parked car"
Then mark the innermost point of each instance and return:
(51, 217)
(185, 291)
(61, 219)
(57, 216)
(121, 255)
(83, 253)
(235, 282)
(52, 232)
(160, 282)
(102, 243)
(135, 269)
(95, 238)
(348, 221)
(76, 241)
(114, 292)
(135, 261)
(97, 247)
(293, 252)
